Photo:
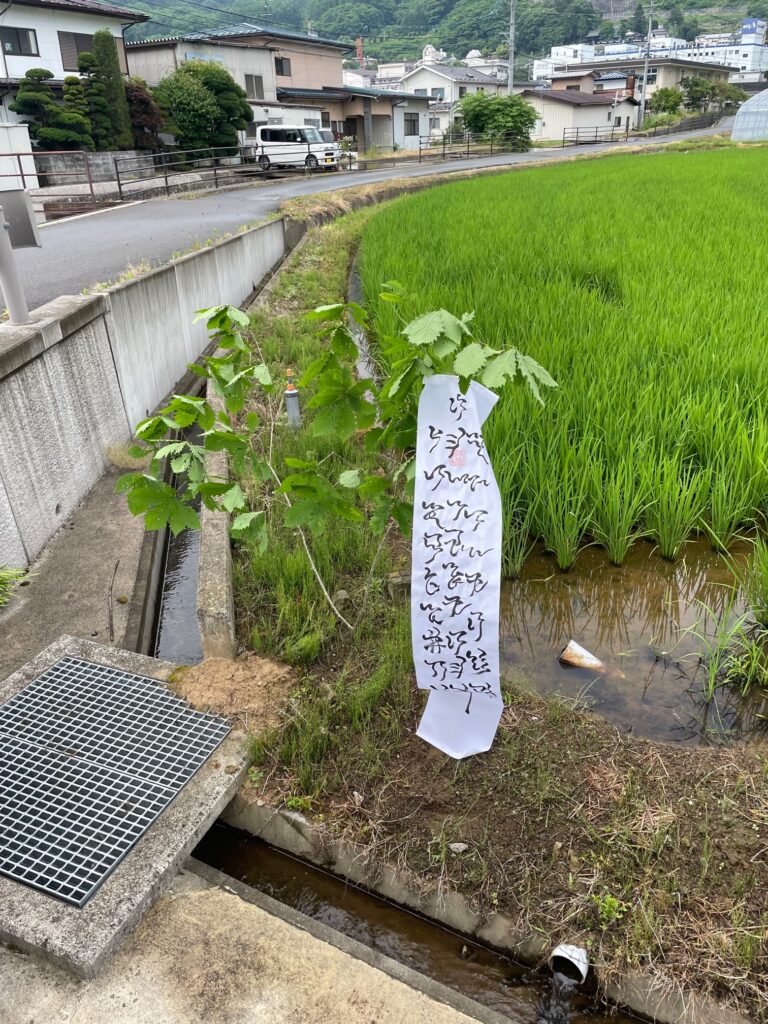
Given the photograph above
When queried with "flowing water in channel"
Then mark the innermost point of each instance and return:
(645, 621)
(476, 971)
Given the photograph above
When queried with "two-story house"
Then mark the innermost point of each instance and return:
(255, 61)
(445, 85)
(51, 34)
(291, 78)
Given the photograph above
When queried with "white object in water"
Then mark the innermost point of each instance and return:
(575, 654)
(573, 957)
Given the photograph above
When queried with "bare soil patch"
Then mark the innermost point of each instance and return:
(251, 689)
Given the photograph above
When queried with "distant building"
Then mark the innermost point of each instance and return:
(744, 53)
(561, 109)
(446, 85)
(663, 73)
(51, 34)
(495, 67)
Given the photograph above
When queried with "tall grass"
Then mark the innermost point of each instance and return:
(9, 578)
(643, 307)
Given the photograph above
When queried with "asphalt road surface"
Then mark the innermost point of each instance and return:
(80, 252)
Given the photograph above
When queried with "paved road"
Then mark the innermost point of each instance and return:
(78, 253)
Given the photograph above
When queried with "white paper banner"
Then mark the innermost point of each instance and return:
(456, 569)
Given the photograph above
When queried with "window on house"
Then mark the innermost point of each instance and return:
(437, 94)
(411, 124)
(251, 128)
(254, 87)
(574, 53)
(72, 44)
(481, 88)
(19, 42)
(325, 119)
(617, 122)
(434, 124)
(610, 115)
(462, 91)
(420, 92)
(571, 88)
(283, 67)
(599, 88)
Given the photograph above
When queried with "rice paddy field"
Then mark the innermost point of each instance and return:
(640, 284)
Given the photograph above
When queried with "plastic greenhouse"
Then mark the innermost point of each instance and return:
(752, 120)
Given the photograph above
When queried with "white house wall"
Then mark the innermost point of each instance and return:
(425, 78)
(47, 24)
(153, 63)
(398, 117)
(555, 117)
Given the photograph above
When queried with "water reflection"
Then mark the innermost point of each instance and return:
(645, 620)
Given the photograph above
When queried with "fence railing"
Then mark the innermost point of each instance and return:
(590, 136)
(688, 124)
(64, 183)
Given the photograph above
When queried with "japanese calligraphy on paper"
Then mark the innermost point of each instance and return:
(456, 569)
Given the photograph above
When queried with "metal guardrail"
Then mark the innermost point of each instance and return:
(590, 136)
(688, 124)
(76, 189)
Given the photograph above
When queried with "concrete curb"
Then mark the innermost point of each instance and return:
(433, 989)
(292, 832)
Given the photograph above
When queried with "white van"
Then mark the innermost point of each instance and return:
(288, 145)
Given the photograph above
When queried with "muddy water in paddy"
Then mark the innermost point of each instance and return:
(640, 620)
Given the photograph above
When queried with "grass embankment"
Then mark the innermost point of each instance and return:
(654, 857)
(648, 311)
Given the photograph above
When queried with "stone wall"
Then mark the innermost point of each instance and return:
(90, 367)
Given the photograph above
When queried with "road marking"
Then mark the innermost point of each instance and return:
(93, 213)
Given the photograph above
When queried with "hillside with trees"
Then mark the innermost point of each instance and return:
(399, 29)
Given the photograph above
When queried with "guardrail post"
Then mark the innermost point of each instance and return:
(443, 145)
(119, 182)
(165, 175)
(467, 145)
(88, 174)
(215, 175)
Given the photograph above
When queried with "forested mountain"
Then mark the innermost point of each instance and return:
(395, 29)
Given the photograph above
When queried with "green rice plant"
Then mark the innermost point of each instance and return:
(9, 580)
(678, 499)
(754, 580)
(618, 501)
(661, 374)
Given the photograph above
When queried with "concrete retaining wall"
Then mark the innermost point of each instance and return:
(89, 368)
(69, 168)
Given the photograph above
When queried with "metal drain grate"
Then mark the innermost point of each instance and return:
(89, 757)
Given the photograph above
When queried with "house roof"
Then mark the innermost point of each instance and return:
(574, 98)
(460, 74)
(239, 32)
(345, 92)
(637, 62)
(574, 74)
(88, 7)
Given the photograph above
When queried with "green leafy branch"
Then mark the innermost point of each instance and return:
(177, 440)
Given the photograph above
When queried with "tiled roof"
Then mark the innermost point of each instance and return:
(575, 98)
(87, 7)
(242, 31)
(344, 92)
(458, 74)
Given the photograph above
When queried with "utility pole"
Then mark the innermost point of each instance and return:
(644, 94)
(511, 75)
